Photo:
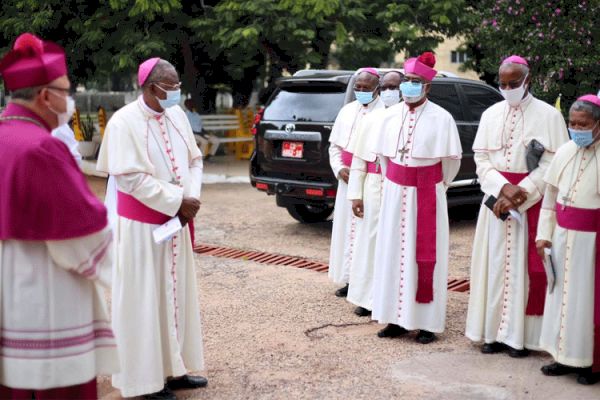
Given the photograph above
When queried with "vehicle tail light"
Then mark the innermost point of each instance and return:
(315, 192)
(330, 193)
(262, 186)
(257, 118)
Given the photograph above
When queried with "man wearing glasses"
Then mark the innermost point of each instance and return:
(366, 91)
(55, 243)
(420, 150)
(508, 281)
(149, 149)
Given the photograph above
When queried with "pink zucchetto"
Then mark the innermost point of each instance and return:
(145, 68)
(514, 59)
(369, 70)
(32, 62)
(590, 98)
(422, 66)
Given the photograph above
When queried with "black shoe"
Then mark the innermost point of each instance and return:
(425, 337)
(492, 348)
(187, 382)
(342, 292)
(391, 330)
(557, 369)
(514, 353)
(164, 394)
(362, 312)
(587, 377)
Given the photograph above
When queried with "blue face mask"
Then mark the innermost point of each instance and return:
(363, 98)
(582, 138)
(173, 98)
(411, 89)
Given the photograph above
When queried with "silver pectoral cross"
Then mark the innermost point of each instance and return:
(402, 152)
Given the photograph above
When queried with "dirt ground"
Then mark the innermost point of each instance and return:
(275, 332)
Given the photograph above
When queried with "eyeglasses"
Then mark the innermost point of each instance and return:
(169, 86)
(67, 91)
(412, 80)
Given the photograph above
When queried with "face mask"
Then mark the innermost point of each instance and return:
(390, 97)
(363, 98)
(173, 97)
(582, 138)
(412, 92)
(514, 96)
(64, 117)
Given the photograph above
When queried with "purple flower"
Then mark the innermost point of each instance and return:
(557, 11)
(494, 23)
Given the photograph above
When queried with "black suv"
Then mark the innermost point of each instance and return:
(291, 158)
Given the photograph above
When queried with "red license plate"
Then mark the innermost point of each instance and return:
(292, 149)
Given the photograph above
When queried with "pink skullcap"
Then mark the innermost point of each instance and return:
(369, 70)
(514, 59)
(590, 98)
(32, 62)
(422, 66)
(145, 68)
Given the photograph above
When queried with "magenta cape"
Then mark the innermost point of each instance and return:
(43, 194)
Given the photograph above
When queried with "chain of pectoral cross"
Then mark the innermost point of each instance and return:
(404, 150)
(570, 193)
(20, 118)
(174, 179)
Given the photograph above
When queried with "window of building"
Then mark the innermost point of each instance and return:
(458, 57)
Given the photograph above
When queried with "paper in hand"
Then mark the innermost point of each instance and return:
(167, 230)
(550, 271)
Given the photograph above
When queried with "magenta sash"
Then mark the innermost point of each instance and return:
(346, 158)
(373, 168)
(586, 220)
(535, 265)
(424, 179)
(131, 208)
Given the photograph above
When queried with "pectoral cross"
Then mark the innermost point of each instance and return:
(174, 182)
(566, 200)
(402, 152)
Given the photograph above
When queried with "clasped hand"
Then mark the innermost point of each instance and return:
(188, 210)
(510, 198)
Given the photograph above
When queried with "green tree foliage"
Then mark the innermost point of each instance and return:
(558, 37)
(229, 42)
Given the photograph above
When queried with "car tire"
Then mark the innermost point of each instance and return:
(309, 214)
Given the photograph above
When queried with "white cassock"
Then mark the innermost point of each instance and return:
(365, 183)
(429, 136)
(568, 324)
(65, 134)
(156, 317)
(344, 222)
(499, 266)
(50, 340)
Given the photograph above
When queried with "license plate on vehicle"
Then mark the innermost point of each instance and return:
(292, 149)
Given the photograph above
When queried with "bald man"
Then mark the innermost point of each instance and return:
(149, 149)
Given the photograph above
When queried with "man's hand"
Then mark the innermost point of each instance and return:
(188, 209)
(358, 208)
(515, 194)
(502, 206)
(541, 245)
(344, 174)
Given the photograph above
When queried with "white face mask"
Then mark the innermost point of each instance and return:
(390, 97)
(64, 117)
(514, 96)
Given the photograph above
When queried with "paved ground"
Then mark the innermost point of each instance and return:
(278, 332)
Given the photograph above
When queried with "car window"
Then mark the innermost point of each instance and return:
(479, 98)
(446, 96)
(318, 103)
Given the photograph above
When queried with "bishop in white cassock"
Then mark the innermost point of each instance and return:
(570, 226)
(364, 190)
(345, 126)
(420, 149)
(149, 149)
(508, 282)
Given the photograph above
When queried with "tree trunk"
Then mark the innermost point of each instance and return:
(194, 81)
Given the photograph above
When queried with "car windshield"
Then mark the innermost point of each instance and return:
(314, 103)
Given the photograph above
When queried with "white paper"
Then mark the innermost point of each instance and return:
(167, 230)
(549, 267)
(516, 216)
